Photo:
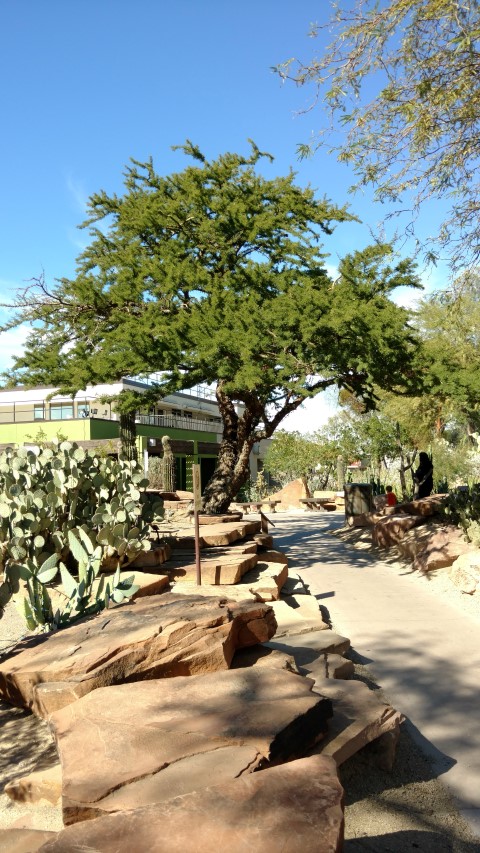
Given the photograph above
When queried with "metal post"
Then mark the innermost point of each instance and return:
(197, 506)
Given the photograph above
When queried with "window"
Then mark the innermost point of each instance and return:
(61, 411)
(39, 412)
(83, 411)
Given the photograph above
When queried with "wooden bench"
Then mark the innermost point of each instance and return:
(255, 506)
(319, 503)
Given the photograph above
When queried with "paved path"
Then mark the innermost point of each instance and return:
(422, 648)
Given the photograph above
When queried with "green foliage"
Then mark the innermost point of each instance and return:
(462, 508)
(400, 82)
(215, 274)
(311, 457)
(65, 510)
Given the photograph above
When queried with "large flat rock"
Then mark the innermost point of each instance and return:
(149, 739)
(359, 717)
(212, 535)
(162, 636)
(294, 807)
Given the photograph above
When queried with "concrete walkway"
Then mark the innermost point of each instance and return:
(422, 649)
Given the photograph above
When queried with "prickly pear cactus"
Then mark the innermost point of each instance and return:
(168, 465)
(61, 509)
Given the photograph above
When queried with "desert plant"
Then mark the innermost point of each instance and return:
(56, 499)
(462, 508)
(168, 465)
(155, 472)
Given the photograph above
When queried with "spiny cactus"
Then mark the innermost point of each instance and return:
(168, 465)
(54, 500)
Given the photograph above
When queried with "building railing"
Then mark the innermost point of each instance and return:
(174, 422)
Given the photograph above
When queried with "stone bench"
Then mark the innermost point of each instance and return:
(255, 506)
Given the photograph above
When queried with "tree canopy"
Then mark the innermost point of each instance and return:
(215, 274)
(449, 322)
(401, 82)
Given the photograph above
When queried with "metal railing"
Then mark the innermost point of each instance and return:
(174, 422)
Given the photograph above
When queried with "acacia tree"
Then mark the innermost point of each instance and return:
(214, 274)
(401, 83)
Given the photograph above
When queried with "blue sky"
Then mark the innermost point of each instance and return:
(87, 85)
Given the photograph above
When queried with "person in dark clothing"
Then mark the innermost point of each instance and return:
(423, 477)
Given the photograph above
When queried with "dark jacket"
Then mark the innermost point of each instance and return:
(423, 477)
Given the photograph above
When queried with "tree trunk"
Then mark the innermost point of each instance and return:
(233, 468)
(406, 463)
(128, 436)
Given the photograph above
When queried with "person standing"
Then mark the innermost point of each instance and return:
(423, 477)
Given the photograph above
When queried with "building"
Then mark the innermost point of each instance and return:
(190, 418)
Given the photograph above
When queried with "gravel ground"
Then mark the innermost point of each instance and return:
(385, 812)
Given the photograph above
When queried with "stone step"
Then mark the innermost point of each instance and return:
(298, 614)
(221, 571)
(261, 583)
(307, 648)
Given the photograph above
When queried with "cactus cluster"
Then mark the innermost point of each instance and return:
(65, 510)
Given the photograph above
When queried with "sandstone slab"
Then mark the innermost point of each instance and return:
(155, 557)
(293, 807)
(268, 715)
(214, 534)
(260, 655)
(227, 569)
(307, 648)
(359, 717)
(262, 583)
(297, 615)
(161, 636)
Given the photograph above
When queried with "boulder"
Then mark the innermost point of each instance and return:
(162, 636)
(39, 785)
(261, 656)
(290, 495)
(161, 738)
(465, 572)
(440, 550)
(391, 529)
(425, 507)
(296, 806)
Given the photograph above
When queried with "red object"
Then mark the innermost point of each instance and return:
(391, 499)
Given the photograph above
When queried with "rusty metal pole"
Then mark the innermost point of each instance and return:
(197, 506)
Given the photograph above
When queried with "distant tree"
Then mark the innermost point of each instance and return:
(214, 275)
(449, 322)
(401, 83)
(293, 455)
